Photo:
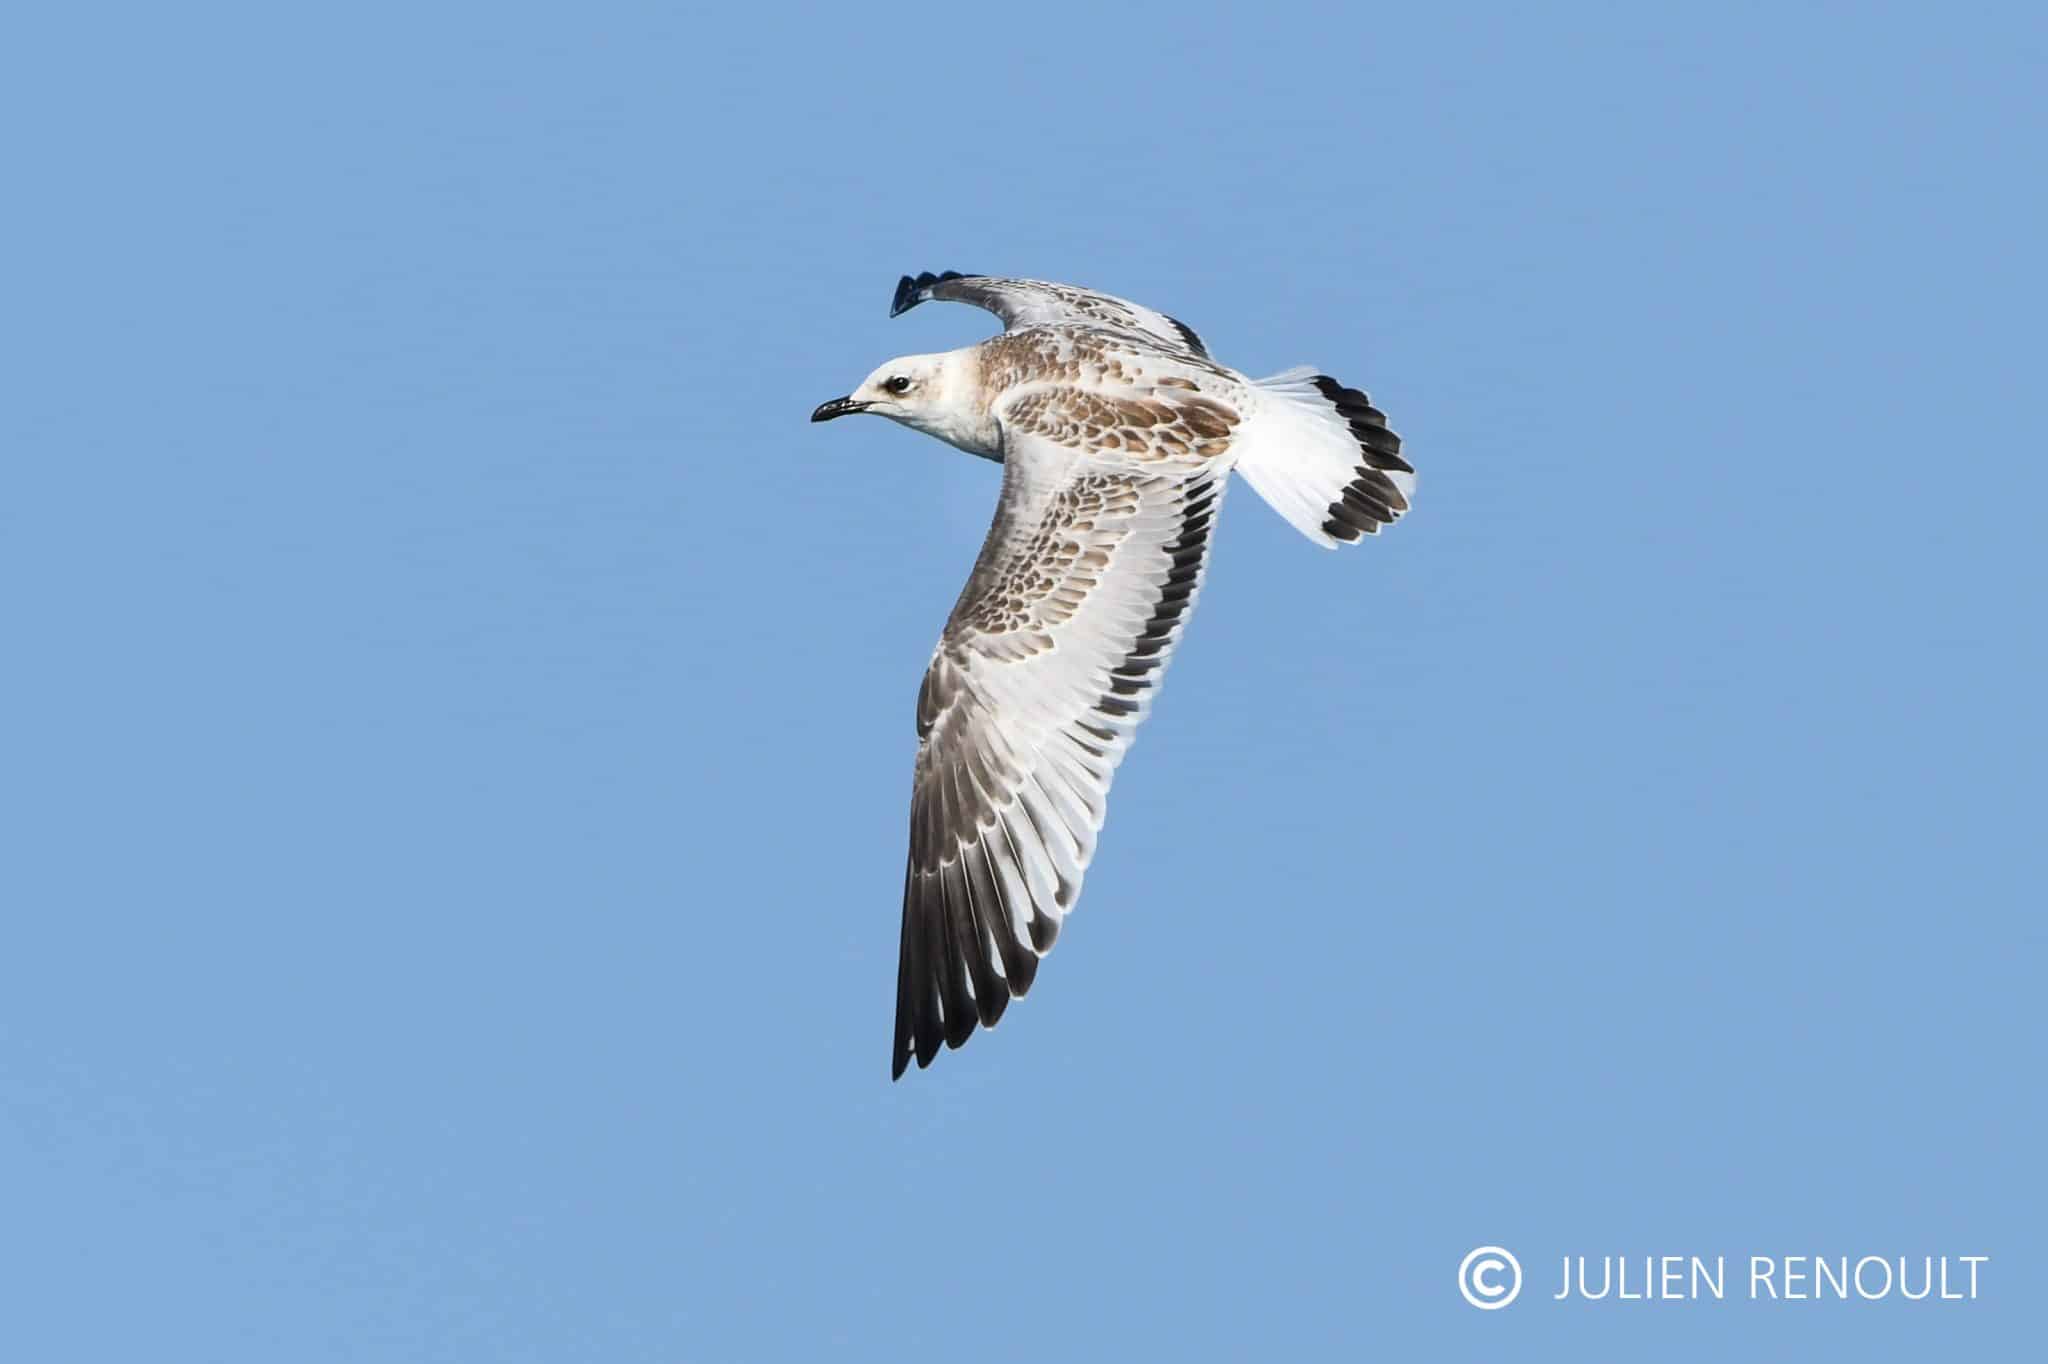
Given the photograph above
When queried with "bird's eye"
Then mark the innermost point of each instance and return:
(898, 384)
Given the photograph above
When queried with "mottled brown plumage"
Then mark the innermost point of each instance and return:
(1117, 433)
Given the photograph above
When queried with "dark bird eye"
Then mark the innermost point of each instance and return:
(898, 384)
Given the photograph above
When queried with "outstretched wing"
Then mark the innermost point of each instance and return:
(1030, 302)
(1046, 667)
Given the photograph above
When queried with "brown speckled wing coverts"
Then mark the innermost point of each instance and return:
(1145, 426)
(1045, 669)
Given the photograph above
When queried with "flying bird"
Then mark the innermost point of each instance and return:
(1116, 432)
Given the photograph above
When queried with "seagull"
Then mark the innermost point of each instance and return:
(1117, 433)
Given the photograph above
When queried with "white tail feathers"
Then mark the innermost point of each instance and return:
(1322, 456)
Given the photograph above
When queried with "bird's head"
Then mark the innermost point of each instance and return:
(929, 393)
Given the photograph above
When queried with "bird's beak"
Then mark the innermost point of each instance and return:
(838, 407)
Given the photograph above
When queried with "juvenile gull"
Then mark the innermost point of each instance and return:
(1116, 433)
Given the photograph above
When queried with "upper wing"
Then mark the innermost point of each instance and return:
(1045, 669)
(1028, 302)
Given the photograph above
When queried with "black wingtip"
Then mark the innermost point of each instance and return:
(912, 291)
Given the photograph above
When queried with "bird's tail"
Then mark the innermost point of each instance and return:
(1322, 456)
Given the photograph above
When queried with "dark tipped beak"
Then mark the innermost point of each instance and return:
(838, 407)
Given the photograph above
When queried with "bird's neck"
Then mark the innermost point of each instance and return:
(963, 419)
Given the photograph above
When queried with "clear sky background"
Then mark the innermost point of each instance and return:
(458, 722)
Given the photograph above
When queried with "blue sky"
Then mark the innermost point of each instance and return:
(459, 720)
